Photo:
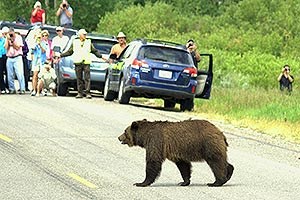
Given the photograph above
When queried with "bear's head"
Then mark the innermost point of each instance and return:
(129, 136)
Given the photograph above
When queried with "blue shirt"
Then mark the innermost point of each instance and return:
(2, 48)
(38, 54)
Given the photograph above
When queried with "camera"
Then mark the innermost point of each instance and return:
(11, 35)
(64, 5)
(190, 44)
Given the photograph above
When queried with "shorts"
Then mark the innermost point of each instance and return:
(36, 65)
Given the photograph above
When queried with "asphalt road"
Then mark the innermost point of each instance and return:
(67, 148)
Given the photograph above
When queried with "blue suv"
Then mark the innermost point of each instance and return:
(159, 69)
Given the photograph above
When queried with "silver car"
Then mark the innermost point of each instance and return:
(65, 69)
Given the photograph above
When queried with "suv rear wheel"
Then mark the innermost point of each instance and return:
(169, 103)
(123, 97)
(108, 95)
(187, 104)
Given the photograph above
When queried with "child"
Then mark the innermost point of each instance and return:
(47, 78)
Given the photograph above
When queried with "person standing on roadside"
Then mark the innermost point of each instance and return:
(119, 47)
(192, 48)
(81, 49)
(38, 15)
(60, 40)
(65, 14)
(38, 52)
(285, 79)
(3, 83)
(14, 63)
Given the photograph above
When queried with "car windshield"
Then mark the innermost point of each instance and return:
(165, 54)
(103, 46)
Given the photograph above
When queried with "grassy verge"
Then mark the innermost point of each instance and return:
(268, 111)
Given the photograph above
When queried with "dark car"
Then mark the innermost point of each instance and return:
(18, 27)
(159, 69)
(66, 77)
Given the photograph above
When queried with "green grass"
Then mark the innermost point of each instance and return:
(269, 111)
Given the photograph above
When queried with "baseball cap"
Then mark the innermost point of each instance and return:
(5, 29)
(59, 28)
(82, 31)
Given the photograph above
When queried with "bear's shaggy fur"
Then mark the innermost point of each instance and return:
(180, 142)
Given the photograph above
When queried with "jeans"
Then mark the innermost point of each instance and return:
(3, 83)
(15, 65)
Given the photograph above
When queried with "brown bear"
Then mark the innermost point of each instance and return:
(181, 142)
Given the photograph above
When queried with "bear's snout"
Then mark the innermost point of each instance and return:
(122, 139)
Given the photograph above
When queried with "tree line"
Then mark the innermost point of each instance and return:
(251, 38)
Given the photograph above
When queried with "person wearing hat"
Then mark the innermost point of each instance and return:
(192, 48)
(285, 79)
(38, 15)
(14, 63)
(120, 46)
(60, 41)
(81, 48)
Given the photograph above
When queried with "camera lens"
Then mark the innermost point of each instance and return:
(64, 5)
(11, 35)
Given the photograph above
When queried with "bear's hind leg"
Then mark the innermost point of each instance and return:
(153, 169)
(185, 171)
(219, 168)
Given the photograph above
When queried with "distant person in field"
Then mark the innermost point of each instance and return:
(285, 79)
(192, 48)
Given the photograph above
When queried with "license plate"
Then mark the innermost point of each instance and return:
(165, 74)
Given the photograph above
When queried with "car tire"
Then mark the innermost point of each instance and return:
(62, 89)
(186, 104)
(169, 103)
(108, 95)
(123, 97)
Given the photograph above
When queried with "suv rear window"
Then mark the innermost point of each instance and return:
(165, 54)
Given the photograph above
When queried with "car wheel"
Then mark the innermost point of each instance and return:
(187, 104)
(123, 97)
(62, 89)
(169, 103)
(108, 95)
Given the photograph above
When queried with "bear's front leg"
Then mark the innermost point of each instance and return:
(153, 169)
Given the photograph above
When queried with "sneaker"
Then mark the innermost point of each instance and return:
(27, 90)
(3, 92)
(79, 96)
(12, 91)
(88, 96)
(33, 93)
(45, 92)
(22, 92)
(7, 91)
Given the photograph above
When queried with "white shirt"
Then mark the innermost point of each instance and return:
(60, 42)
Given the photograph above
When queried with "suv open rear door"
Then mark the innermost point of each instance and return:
(205, 76)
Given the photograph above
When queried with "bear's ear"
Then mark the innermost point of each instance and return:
(134, 126)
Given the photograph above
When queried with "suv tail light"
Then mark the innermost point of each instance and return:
(139, 63)
(191, 70)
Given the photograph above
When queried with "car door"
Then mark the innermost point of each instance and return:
(205, 76)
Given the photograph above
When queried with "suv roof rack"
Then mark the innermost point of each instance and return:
(163, 42)
(102, 35)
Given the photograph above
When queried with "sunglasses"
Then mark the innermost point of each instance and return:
(45, 35)
(58, 30)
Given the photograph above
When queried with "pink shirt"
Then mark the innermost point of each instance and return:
(11, 51)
